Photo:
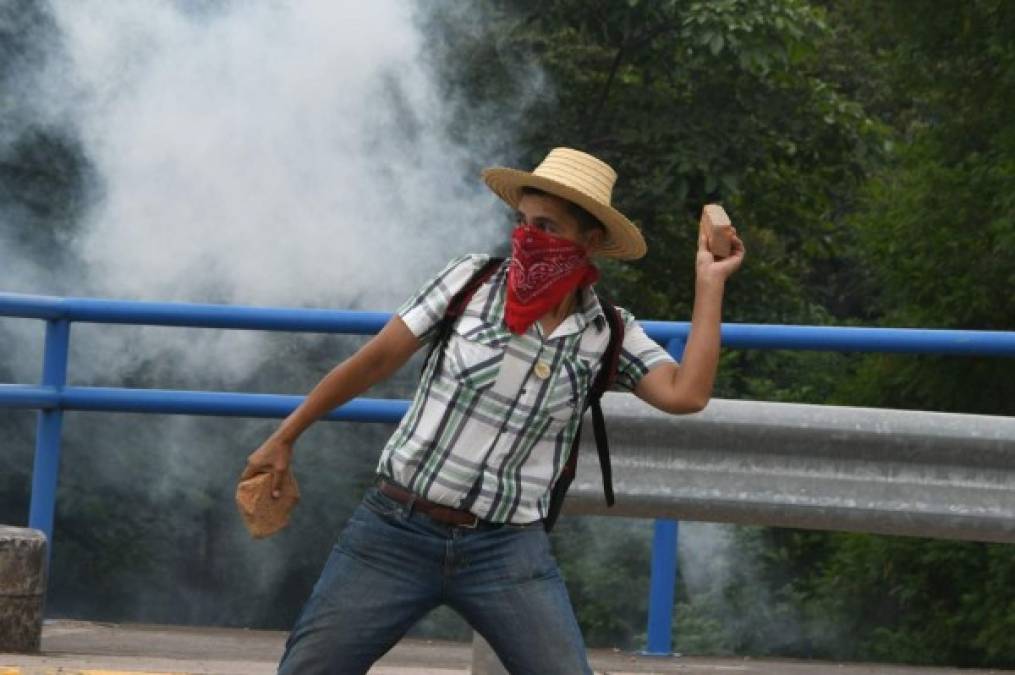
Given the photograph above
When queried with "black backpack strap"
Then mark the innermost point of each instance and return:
(564, 481)
(455, 309)
(604, 380)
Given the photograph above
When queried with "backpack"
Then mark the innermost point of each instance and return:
(604, 380)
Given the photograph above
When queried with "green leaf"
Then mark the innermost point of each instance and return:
(730, 182)
(680, 192)
(716, 44)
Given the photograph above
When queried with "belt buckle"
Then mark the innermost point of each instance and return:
(473, 525)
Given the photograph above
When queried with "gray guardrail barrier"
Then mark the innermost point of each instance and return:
(899, 472)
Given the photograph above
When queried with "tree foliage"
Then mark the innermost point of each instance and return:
(691, 102)
(935, 220)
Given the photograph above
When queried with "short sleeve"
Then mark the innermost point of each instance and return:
(427, 306)
(638, 355)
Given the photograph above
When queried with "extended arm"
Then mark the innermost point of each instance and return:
(381, 356)
(688, 387)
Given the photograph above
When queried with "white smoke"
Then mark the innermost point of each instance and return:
(290, 154)
(257, 152)
(268, 153)
(706, 552)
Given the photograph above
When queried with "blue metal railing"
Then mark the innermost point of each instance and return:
(52, 396)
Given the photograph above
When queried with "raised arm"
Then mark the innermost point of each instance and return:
(688, 387)
(377, 360)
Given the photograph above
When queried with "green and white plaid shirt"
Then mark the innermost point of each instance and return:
(491, 432)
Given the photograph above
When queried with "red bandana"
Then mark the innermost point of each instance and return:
(543, 270)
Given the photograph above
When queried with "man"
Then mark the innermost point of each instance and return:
(464, 482)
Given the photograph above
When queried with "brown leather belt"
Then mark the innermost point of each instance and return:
(433, 510)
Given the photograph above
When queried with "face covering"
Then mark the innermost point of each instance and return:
(544, 269)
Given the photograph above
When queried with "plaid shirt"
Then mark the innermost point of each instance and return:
(492, 431)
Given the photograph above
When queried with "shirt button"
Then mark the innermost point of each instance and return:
(542, 370)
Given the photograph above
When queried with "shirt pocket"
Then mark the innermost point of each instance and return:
(567, 394)
(474, 354)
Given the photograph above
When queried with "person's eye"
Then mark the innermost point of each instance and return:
(519, 218)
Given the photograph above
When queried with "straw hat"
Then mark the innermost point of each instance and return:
(580, 178)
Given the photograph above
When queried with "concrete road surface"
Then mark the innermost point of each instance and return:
(87, 648)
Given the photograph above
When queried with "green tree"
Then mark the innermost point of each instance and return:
(935, 224)
(934, 234)
(691, 102)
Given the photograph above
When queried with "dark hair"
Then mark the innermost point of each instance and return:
(586, 221)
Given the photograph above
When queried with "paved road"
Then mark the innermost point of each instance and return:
(86, 648)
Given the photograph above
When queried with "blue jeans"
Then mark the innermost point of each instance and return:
(390, 567)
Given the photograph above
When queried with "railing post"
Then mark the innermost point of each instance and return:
(46, 470)
(664, 568)
(663, 587)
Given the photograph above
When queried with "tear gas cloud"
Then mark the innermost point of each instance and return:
(292, 154)
(279, 153)
(265, 153)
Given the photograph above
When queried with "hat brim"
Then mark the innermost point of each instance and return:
(624, 239)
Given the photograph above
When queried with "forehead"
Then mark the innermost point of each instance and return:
(549, 205)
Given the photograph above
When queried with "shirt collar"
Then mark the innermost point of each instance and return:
(589, 311)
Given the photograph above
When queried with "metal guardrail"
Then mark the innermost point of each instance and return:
(52, 396)
(897, 472)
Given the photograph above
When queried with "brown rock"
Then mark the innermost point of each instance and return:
(263, 514)
(718, 229)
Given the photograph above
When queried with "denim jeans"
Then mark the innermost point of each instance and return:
(390, 567)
